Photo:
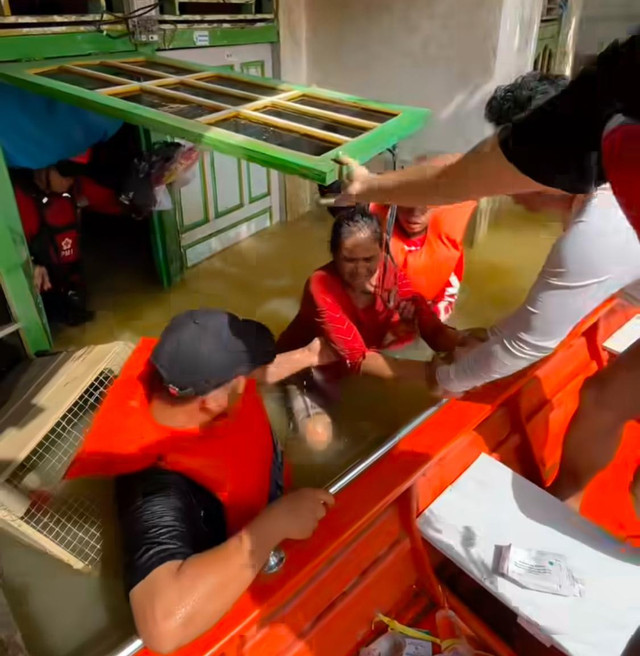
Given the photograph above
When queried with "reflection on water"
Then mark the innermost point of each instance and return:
(62, 612)
(367, 413)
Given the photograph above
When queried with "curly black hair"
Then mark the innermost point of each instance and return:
(509, 101)
(358, 220)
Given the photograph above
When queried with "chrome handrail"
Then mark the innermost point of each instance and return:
(277, 556)
(351, 474)
(132, 646)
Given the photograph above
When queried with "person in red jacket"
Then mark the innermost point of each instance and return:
(426, 243)
(49, 202)
(199, 476)
(361, 303)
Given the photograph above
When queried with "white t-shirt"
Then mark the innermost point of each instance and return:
(598, 255)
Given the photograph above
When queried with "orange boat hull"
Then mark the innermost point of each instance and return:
(367, 555)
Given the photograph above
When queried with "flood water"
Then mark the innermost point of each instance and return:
(63, 612)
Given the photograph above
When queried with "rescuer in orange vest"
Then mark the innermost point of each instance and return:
(426, 244)
(199, 475)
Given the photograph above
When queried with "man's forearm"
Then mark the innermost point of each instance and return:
(285, 365)
(483, 171)
(202, 588)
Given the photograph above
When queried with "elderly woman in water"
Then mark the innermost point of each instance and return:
(361, 304)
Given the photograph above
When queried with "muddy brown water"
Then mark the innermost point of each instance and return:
(62, 612)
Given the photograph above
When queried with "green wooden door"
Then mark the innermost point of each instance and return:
(16, 273)
(229, 199)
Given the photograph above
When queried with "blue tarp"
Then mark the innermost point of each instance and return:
(36, 131)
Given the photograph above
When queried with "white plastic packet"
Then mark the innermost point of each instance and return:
(393, 643)
(538, 570)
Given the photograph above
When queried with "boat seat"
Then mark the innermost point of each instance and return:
(489, 506)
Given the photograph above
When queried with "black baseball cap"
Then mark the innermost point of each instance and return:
(201, 350)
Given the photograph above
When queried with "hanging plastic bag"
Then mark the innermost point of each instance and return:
(165, 163)
(171, 161)
(163, 199)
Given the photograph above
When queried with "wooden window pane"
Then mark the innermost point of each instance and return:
(76, 79)
(122, 73)
(242, 85)
(276, 136)
(161, 67)
(317, 122)
(209, 94)
(347, 110)
(172, 106)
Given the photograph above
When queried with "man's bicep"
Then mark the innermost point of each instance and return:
(160, 522)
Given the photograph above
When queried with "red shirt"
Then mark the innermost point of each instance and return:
(621, 161)
(327, 310)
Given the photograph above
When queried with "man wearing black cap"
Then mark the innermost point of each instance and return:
(184, 431)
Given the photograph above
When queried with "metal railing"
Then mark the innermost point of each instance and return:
(277, 557)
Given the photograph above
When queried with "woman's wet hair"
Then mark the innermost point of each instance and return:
(357, 221)
(522, 95)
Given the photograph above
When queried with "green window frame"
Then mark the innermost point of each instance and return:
(287, 127)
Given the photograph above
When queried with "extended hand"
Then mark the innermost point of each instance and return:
(41, 279)
(295, 516)
(470, 339)
(357, 179)
(407, 310)
(321, 352)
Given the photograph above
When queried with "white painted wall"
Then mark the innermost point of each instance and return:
(605, 20)
(447, 55)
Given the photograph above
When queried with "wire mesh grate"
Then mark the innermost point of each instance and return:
(47, 462)
(66, 526)
(71, 524)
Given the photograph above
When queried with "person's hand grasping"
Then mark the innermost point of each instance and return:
(41, 279)
(357, 179)
(321, 352)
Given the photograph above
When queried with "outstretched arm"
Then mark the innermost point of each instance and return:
(315, 354)
(483, 171)
(181, 598)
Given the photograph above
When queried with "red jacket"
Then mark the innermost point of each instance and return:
(327, 310)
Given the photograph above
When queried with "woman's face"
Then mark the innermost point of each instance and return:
(357, 261)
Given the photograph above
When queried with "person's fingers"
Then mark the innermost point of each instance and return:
(343, 160)
(325, 497)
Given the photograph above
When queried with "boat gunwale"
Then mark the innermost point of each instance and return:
(426, 436)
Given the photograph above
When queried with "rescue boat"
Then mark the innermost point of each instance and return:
(369, 556)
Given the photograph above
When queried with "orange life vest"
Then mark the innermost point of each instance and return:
(231, 457)
(429, 268)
